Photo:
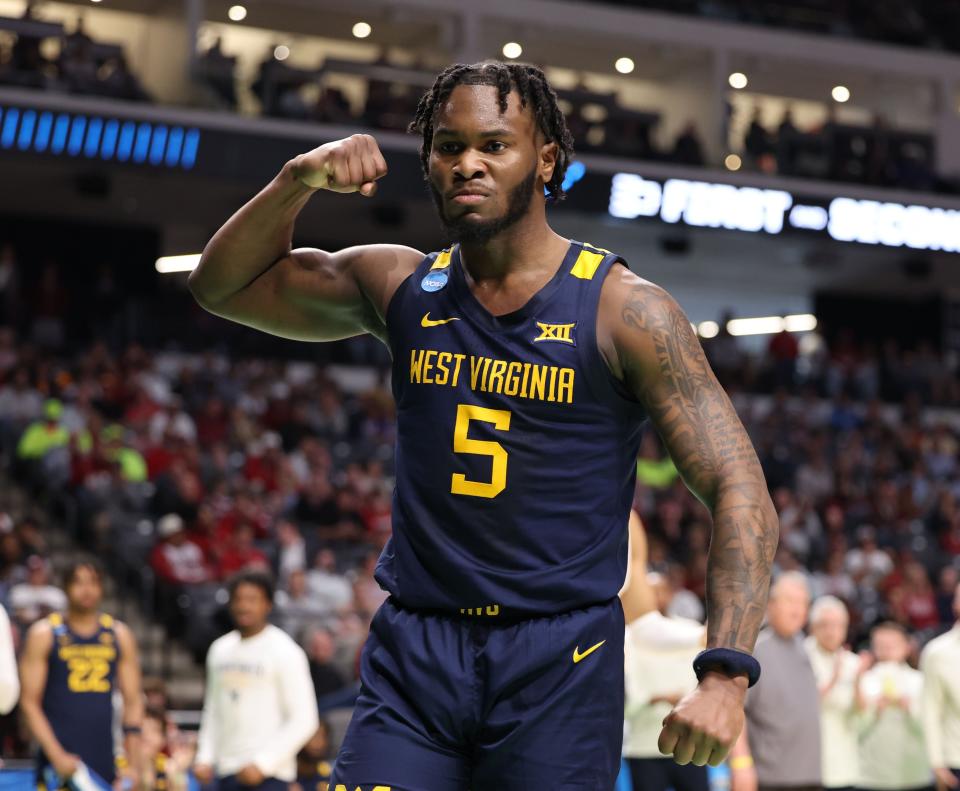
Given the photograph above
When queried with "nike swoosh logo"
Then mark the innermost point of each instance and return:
(427, 322)
(577, 656)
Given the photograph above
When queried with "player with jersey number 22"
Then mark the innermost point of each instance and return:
(524, 365)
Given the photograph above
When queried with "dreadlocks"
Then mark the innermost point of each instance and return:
(534, 90)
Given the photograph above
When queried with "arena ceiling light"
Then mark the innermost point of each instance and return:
(733, 162)
(770, 325)
(169, 264)
(362, 30)
(708, 329)
(624, 65)
(738, 80)
(512, 50)
(840, 93)
(237, 13)
(282, 52)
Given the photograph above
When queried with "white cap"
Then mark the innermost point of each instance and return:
(169, 525)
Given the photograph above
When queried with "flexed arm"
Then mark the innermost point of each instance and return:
(250, 274)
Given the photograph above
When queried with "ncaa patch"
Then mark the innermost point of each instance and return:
(435, 280)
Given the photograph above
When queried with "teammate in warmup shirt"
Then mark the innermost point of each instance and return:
(71, 665)
(524, 365)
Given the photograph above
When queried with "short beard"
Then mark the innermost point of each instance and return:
(468, 232)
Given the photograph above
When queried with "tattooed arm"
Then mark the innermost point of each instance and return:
(649, 345)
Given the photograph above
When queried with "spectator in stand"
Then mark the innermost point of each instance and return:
(315, 761)
(687, 149)
(940, 664)
(296, 609)
(217, 69)
(292, 550)
(946, 593)
(919, 602)
(177, 559)
(326, 585)
(867, 563)
(12, 570)
(20, 404)
(367, 593)
(321, 651)
(758, 145)
(241, 553)
(780, 744)
(838, 672)
(783, 351)
(42, 450)
(892, 752)
(36, 598)
(786, 143)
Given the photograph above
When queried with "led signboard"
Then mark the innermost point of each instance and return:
(703, 204)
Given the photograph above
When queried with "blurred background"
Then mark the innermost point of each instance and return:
(788, 170)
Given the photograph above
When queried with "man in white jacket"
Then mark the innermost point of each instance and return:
(260, 707)
(658, 652)
(838, 672)
(940, 663)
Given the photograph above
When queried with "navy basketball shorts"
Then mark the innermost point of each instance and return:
(473, 704)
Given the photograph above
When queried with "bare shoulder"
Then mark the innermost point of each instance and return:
(39, 638)
(381, 268)
(377, 270)
(125, 635)
(633, 312)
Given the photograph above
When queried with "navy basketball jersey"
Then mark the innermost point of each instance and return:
(516, 447)
(78, 698)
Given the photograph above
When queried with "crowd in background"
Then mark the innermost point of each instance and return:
(80, 66)
(878, 155)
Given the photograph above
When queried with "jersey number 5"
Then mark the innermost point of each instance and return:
(463, 444)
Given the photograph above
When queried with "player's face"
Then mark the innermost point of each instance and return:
(830, 629)
(486, 167)
(249, 607)
(85, 591)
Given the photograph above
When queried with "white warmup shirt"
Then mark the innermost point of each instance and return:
(259, 708)
(940, 663)
(892, 751)
(9, 679)
(658, 655)
(838, 715)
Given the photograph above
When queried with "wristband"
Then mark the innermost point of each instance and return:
(132, 730)
(741, 762)
(729, 662)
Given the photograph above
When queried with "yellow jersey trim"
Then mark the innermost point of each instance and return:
(443, 260)
(587, 264)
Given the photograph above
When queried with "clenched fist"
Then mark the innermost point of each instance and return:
(703, 727)
(350, 165)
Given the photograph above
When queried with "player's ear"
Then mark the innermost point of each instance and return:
(548, 160)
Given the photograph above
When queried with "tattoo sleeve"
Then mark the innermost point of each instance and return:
(665, 368)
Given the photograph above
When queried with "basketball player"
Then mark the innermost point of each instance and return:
(72, 662)
(524, 364)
